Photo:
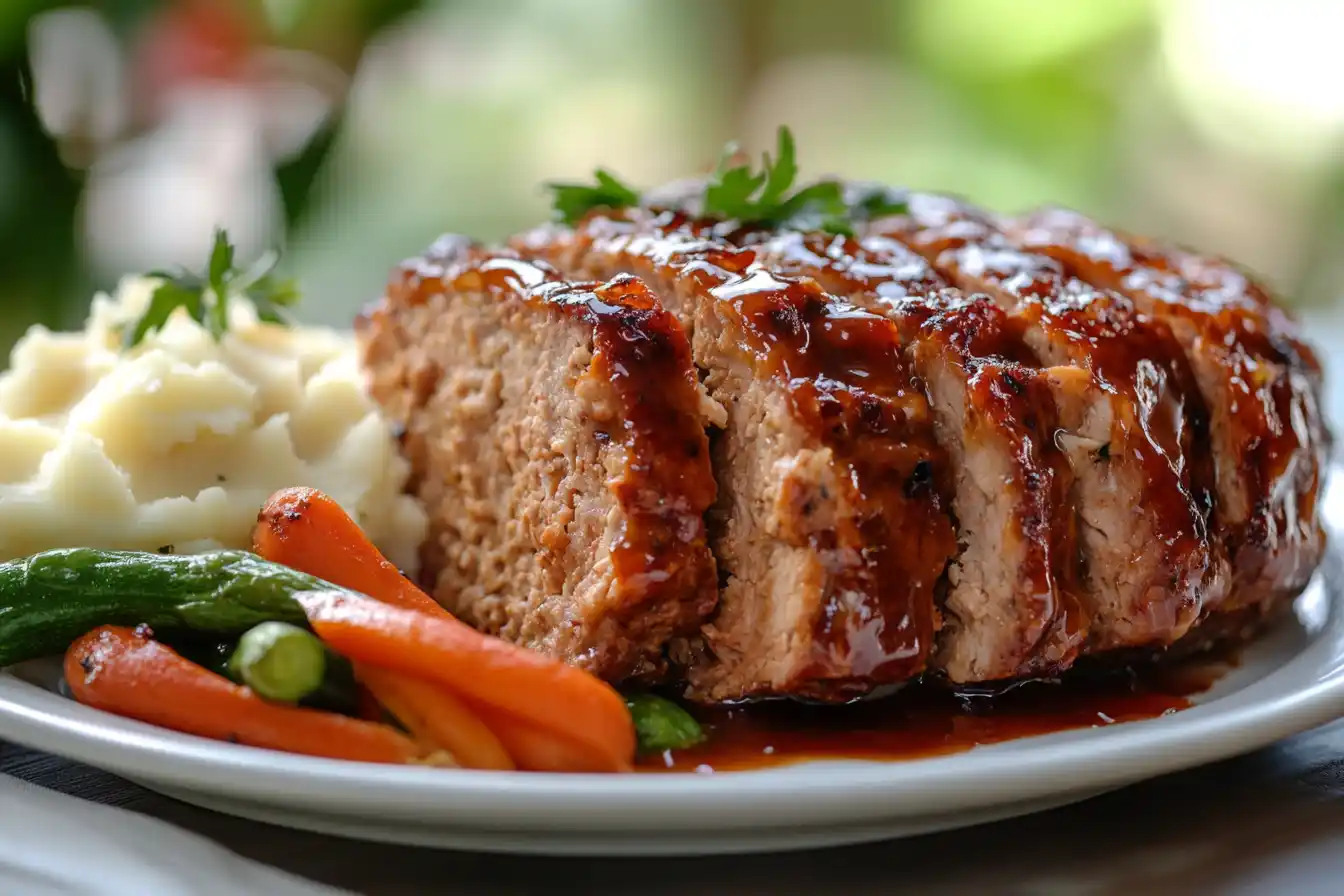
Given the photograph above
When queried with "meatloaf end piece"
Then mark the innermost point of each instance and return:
(1012, 606)
(1125, 421)
(831, 527)
(556, 434)
(1260, 382)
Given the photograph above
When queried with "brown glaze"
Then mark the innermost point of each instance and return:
(1013, 397)
(847, 382)
(922, 722)
(642, 355)
(1265, 389)
(1005, 391)
(1133, 359)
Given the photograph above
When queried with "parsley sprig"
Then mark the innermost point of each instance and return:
(751, 198)
(205, 296)
(877, 201)
(572, 201)
(761, 198)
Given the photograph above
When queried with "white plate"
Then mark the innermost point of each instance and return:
(1288, 682)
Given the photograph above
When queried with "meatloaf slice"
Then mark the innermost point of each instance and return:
(1012, 606)
(1125, 416)
(1259, 381)
(556, 433)
(831, 525)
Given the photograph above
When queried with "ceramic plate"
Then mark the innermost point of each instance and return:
(1288, 682)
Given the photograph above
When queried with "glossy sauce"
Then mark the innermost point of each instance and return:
(1263, 383)
(1135, 364)
(641, 359)
(846, 382)
(923, 720)
(1005, 392)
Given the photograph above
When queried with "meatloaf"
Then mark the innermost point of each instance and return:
(948, 444)
(832, 529)
(557, 434)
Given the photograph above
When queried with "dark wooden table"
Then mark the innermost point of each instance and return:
(1268, 823)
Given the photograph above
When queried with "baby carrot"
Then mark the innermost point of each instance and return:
(536, 750)
(434, 716)
(124, 672)
(485, 671)
(306, 530)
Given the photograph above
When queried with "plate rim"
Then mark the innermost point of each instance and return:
(1268, 709)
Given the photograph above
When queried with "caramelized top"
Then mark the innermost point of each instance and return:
(1131, 357)
(643, 355)
(1006, 391)
(847, 383)
(1266, 387)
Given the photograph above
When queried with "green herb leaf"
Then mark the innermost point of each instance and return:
(205, 297)
(761, 198)
(878, 202)
(755, 198)
(780, 175)
(221, 270)
(166, 299)
(662, 725)
(820, 206)
(270, 295)
(571, 202)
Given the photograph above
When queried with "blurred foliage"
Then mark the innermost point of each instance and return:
(457, 109)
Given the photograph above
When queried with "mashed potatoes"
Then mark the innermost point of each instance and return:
(179, 441)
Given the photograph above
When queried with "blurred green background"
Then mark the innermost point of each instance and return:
(353, 131)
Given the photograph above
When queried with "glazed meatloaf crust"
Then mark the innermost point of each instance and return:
(948, 443)
(832, 530)
(557, 435)
(1128, 412)
(1013, 599)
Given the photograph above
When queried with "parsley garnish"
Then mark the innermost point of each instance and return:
(738, 193)
(761, 198)
(206, 296)
(572, 201)
(877, 201)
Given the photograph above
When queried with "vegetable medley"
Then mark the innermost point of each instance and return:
(315, 644)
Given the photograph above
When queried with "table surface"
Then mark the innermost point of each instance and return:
(1271, 822)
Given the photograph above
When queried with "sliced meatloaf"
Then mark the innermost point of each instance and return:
(557, 435)
(1013, 604)
(1259, 381)
(1127, 417)
(832, 529)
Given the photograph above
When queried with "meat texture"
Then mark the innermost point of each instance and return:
(1013, 602)
(950, 443)
(832, 529)
(557, 435)
(1258, 380)
(1130, 423)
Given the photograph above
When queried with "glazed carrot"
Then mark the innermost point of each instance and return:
(304, 529)
(121, 671)
(535, 750)
(298, 527)
(485, 671)
(434, 716)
